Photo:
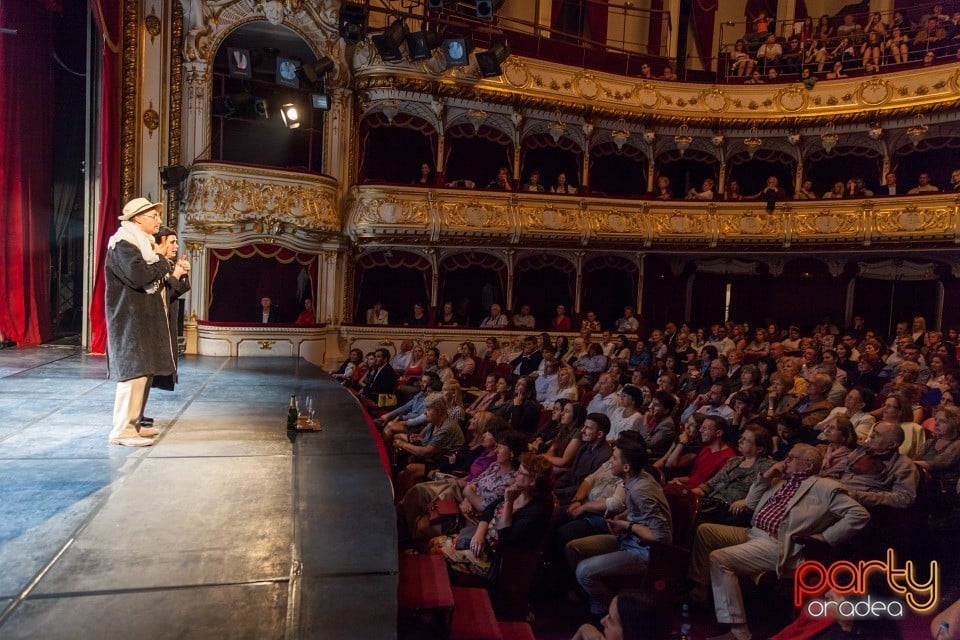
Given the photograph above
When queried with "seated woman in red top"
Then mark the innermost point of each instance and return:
(307, 316)
(562, 321)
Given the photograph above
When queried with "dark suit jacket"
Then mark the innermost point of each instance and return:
(528, 364)
(273, 317)
(383, 380)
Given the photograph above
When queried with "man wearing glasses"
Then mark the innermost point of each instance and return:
(138, 333)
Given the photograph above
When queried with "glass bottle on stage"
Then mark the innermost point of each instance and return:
(292, 413)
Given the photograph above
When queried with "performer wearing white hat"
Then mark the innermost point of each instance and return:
(138, 335)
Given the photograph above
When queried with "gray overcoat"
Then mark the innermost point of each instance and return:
(138, 333)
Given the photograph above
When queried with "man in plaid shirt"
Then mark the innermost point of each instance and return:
(791, 502)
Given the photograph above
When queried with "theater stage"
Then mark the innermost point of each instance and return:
(223, 529)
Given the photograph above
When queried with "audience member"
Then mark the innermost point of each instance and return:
(600, 560)
(790, 501)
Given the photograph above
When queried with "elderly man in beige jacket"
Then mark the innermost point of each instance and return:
(790, 502)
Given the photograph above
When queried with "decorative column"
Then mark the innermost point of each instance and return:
(195, 303)
(337, 132)
(722, 178)
(196, 111)
(651, 172)
(585, 169)
(325, 296)
(509, 255)
(641, 263)
(579, 287)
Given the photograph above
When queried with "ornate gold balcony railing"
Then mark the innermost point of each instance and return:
(541, 84)
(248, 200)
(385, 214)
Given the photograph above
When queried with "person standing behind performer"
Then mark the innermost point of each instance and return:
(138, 332)
(167, 245)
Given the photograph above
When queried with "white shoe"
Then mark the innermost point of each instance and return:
(148, 432)
(132, 441)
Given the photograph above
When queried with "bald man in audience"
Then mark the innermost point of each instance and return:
(876, 474)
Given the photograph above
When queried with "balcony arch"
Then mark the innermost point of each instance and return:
(385, 137)
(688, 170)
(937, 155)
(476, 154)
(543, 281)
(617, 171)
(478, 277)
(246, 97)
(610, 283)
(857, 156)
(394, 278)
(751, 171)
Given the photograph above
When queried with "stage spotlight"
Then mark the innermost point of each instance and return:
(484, 9)
(352, 22)
(261, 108)
(231, 103)
(388, 43)
(457, 51)
(315, 71)
(422, 43)
(435, 5)
(320, 101)
(489, 60)
(290, 115)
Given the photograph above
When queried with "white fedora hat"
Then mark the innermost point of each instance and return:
(137, 206)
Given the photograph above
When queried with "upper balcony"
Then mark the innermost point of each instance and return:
(381, 214)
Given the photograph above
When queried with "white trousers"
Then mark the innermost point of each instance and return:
(128, 406)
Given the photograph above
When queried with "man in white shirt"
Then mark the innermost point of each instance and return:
(628, 323)
(721, 342)
(546, 382)
(495, 319)
(606, 399)
(524, 319)
(401, 361)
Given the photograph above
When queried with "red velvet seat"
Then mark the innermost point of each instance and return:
(473, 617)
(424, 583)
(516, 631)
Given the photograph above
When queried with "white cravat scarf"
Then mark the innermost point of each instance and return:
(131, 233)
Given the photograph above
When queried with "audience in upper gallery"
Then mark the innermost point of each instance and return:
(502, 181)
(562, 186)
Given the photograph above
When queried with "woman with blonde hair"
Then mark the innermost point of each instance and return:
(454, 395)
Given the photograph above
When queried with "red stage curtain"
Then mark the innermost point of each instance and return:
(26, 183)
(107, 14)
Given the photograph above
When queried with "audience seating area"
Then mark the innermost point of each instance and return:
(472, 607)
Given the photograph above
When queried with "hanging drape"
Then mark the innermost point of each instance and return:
(483, 132)
(270, 251)
(535, 263)
(26, 125)
(402, 121)
(545, 140)
(696, 155)
(392, 260)
(470, 259)
(107, 16)
(655, 30)
(609, 148)
(704, 16)
(762, 155)
(567, 16)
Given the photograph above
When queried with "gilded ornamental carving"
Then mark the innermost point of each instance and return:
(221, 196)
(377, 212)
